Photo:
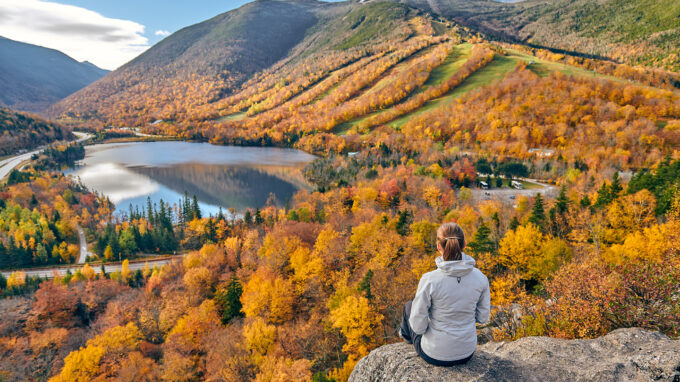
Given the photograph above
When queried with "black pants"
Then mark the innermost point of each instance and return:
(411, 337)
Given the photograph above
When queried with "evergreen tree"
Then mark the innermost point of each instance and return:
(228, 301)
(585, 201)
(616, 187)
(4, 257)
(248, 218)
(195, 208)
(149, 211)
(496, 220)
(258, 217)
(538, 212)
(603, 197)
(365, 285)
(404, 221)
(481, 242)
(514, 223)
(187, 213)
(562, 202)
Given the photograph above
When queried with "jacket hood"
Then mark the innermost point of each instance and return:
(456, 268)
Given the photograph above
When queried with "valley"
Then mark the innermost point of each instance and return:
(264, 188)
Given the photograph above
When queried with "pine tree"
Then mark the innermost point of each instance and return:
(562, 202)
(403, 221)
(149, 211)
(604, 195)
(616, 187)
(229, 301)
(365, 285)
(481, 242)
(538, 212)
(4, 258)
(195, 208)
(514, 223)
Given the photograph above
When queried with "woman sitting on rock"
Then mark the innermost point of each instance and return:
(440, 321)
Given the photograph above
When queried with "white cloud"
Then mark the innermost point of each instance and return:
(81, 33)
(162, 33)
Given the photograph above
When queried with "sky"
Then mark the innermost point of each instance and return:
(107, 33)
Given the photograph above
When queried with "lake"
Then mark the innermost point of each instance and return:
(219, 176)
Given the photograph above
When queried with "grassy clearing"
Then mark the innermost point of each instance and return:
(453, 62)
(233, 117)
(451, 65)
(496, 70)
(543, 67)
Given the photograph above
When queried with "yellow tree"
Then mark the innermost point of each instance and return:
(268, 296)
(359, 322)
(259, 338)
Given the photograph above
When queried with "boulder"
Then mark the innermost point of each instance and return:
(623, 355)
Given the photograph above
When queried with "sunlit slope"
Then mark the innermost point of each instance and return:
(631, 31)
(210, 61)
(22, 131)
(353, 70)
(387, 88)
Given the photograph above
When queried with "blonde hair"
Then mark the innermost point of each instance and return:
(452, 241)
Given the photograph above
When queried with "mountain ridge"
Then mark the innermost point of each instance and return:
(34, 77)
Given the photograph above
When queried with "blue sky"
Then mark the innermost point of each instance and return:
(158, 15)
(107, 33)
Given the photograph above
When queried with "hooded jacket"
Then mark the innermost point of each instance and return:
(447, 304)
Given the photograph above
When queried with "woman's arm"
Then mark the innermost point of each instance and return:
(483, 305)
(420, 309)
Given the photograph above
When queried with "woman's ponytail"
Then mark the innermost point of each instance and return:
(452, 241)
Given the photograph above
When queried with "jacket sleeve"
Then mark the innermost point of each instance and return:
(420, 308)
(484, 304)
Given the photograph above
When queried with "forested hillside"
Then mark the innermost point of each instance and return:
(629, 31)
(576, 223)
(33, 78)
(24, 131)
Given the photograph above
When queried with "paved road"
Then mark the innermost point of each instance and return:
(83, 246)
(113, 267)
(7, 165)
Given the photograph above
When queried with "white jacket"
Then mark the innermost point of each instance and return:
(447, 304)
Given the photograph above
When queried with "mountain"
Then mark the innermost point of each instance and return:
(639, 32)
(33, 77)
(25, 131)
(208, 61)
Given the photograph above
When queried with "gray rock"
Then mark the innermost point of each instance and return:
(622, 355)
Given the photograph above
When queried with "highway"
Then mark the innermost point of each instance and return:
(83, 246)
(112, 267)
(9, 164)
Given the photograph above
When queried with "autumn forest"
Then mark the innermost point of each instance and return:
(563, 171)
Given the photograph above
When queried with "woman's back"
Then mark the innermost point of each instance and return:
(440, 321)
(449, 301)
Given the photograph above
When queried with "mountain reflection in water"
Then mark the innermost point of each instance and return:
(219, 176)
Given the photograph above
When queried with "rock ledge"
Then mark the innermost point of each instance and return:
(622, 355)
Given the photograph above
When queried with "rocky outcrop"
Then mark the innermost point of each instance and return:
(622, 355)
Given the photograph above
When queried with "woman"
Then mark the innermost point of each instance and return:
(440, 321)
